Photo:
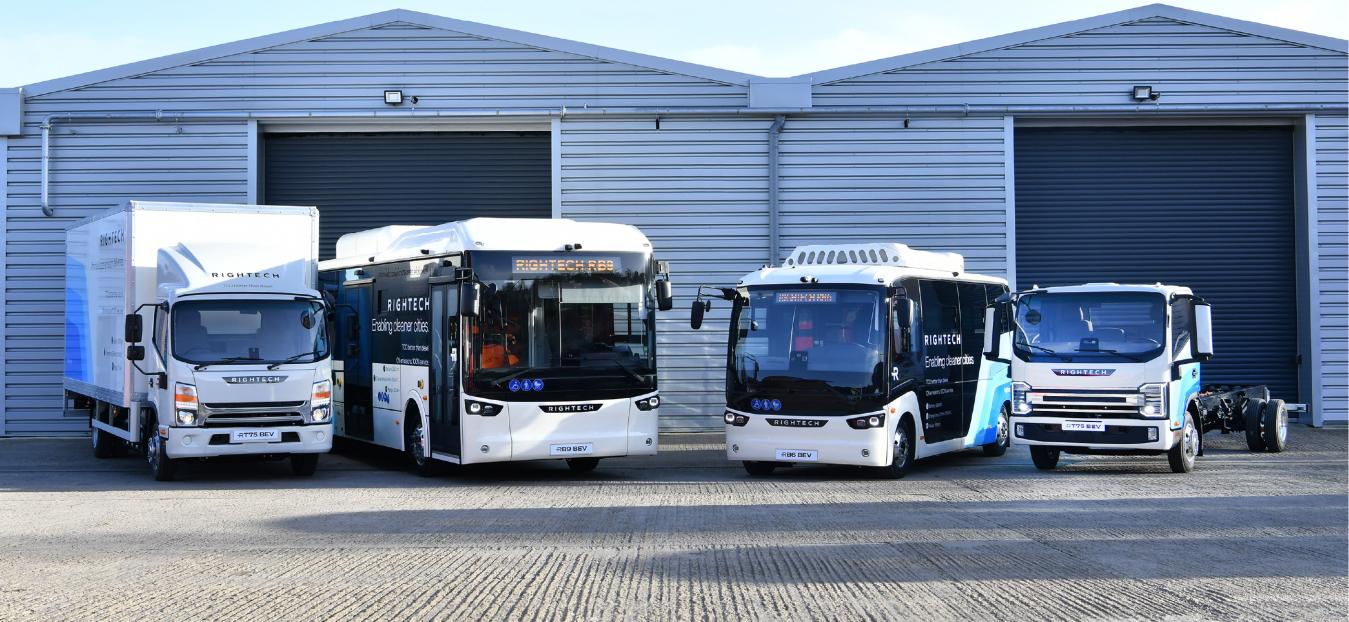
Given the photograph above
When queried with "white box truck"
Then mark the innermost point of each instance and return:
(196, 331)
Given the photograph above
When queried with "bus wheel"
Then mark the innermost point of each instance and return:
(1045, 458)
(304, 465)
(1004, 438)
(104, 443)
(902, 455)
(1275, 420)
(414, 445)
(1255, 441)
(1181, 456)
(759, 469)
(582, 465)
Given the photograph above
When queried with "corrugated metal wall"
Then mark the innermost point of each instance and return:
(1331, 146)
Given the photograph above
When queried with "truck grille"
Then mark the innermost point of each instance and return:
(1094, 404)
(253, 414)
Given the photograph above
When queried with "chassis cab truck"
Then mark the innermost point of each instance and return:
(860, 354)
(492, 340)
(196, 331)
(1105, 368)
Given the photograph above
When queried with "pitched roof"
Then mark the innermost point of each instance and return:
(1076, 26)
(380, 19)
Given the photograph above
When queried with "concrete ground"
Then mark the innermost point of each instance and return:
(685, 535)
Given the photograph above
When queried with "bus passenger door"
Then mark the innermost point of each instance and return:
(974, 303)
(353, 326)
(445, 431)
(940, 346)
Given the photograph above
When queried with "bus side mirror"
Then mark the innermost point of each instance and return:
(470, 297)
(696, 313)
(133, 331)
(903, 325)
(135, 353)
(1203, 331)
(664, 295)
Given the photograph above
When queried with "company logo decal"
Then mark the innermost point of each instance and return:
(765, 404)
(243, 275)
(797, 423)
(254, 379)
(407, 304)
(383, 396)
(1094, 372)
(569, 408)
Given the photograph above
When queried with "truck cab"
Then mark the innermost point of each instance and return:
(1105, 368)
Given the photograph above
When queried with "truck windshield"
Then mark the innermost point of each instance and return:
(249, 332)
(1090, 326)
(814, 350)
(562, 326)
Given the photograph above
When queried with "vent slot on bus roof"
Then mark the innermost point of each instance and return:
(888, 254)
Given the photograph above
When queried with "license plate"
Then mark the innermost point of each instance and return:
(572, 449)
(255, 436)
(1083, 426)
(798, 455)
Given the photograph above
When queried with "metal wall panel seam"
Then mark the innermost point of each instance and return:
(254, 154)
(4, 260)
(1312, 315)
(1009, 183)
(556, 164)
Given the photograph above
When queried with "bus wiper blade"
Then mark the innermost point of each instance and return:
(228, 359)
(1128, 355)
(509, 377)
(291, 359)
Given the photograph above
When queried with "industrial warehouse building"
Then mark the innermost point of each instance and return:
(1034, 154)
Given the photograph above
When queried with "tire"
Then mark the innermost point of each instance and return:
(304, 465)
(901, 456)
(1004, 438)
(1275, 423)
(104, 444)
(1045, 458)
(414, 444)
(162, 466)
(582, 465)
(1182, 455)
(759, 469)
(1255, 441)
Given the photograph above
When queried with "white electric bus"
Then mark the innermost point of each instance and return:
(492, 340)
(861, 354)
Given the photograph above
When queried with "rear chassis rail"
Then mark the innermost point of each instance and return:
(1223, 407)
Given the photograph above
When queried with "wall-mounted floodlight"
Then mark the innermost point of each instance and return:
(393, 98)
(1145, 94)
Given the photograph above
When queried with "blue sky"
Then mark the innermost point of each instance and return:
(773, 38)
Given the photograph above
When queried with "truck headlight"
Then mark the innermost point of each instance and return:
(320, 401)
(1154, 400)
(185, 397)
(1020, 398)
(186, 417)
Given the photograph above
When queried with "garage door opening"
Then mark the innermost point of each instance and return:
(1212, 208)
(365, 180)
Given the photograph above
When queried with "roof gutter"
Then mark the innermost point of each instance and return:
(774, 142)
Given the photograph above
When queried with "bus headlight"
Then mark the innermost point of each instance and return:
(1154, 400)
(649, 403)
(735, 420)
(870, 421)
(1020, 398)
(481, 408)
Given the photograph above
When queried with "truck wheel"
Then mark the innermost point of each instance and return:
(1045, 458)
(1255, 441)
(105, 445)
(1275, 420)
(1004, 438)
(582, 465)
(414, 446)
(161, 466)
(901, 460)
(759, 469)
(1181, 456)
(304, 465)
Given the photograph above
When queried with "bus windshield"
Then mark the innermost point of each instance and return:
(1090, 326)
(249, 332)
(562, 326)
(811, 349)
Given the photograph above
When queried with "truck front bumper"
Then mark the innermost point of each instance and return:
(1144, 435)
(212, 442)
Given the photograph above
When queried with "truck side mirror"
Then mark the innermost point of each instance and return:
(664, 295)
(991, 336)
(696, 313)
(134, 329)
(470, 298)
(135, 353)
(1203, 331)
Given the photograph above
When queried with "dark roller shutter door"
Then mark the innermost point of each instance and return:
(362, 181)
(1210, 208)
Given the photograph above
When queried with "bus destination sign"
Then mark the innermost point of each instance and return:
(564, 264)
(805, 297)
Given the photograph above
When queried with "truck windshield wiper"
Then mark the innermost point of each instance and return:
(228, 359)
(1128, 355)
(1040, 348)
(291, 359)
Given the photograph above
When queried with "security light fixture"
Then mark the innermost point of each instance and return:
(393, 98)
(1145, 94)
